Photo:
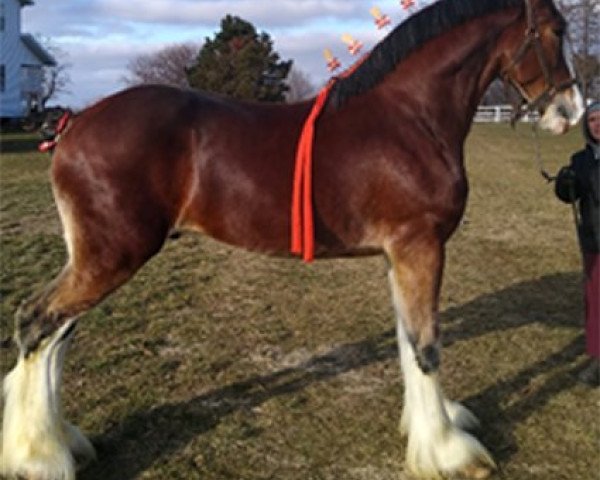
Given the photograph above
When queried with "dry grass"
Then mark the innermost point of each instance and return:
(214, 363)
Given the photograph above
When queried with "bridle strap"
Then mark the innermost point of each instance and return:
(535, 36)
(520, 110)
(538, 155)
(532, 39)
(531, 36)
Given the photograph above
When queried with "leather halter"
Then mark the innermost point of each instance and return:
(532, 40)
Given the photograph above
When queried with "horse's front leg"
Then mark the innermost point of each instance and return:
(437, 443)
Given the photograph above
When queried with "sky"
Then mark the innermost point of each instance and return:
(100, 37)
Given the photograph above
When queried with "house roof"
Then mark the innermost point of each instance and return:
(36, 49)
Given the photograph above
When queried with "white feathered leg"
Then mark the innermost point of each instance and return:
(437, 444)
(459, 415)
(36, 442)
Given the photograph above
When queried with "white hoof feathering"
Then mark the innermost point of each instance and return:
(460, 416)
(449, 452)
(36, 442)
(437, 444)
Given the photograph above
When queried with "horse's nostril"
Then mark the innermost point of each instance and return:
(563, 111)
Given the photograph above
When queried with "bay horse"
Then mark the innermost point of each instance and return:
(389, 177)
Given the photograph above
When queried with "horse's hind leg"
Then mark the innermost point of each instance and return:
(107, 242)
(36, 441)
(437, 444)
(76, 289)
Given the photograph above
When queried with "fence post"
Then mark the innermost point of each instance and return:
(497, 114)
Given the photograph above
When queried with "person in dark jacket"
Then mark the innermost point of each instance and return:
(580, 182)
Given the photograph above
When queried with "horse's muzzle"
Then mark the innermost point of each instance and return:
(564, 111)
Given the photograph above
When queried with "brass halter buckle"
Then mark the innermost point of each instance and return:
(532, 39)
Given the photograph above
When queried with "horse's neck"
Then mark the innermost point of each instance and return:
(446, 80)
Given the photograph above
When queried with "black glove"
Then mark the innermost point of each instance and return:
(566, 184)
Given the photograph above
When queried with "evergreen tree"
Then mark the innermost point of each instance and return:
(241, 63)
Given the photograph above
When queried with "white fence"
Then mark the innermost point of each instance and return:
(499, 113)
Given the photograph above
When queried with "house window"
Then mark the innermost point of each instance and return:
(31, 79)
(2, 78)
(2, 17)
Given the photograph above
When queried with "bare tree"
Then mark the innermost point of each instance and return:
(584, 31)
(167, 66)
(55, 78)
(300, 86)
(496, 94)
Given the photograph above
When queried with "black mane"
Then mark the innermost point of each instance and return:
(407, 37)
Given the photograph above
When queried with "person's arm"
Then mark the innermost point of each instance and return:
(566, 186)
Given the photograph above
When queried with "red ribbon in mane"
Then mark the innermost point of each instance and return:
(303, 226)
(49, 145)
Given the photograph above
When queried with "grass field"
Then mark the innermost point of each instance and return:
(214, 363)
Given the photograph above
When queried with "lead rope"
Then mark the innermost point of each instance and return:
(538, 155)
(552, 178)
(577, 220)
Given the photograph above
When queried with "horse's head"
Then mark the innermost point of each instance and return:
(536, 60)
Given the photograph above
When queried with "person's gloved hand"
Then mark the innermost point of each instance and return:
(568, 180)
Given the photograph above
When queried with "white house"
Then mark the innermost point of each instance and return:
(22, 60)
